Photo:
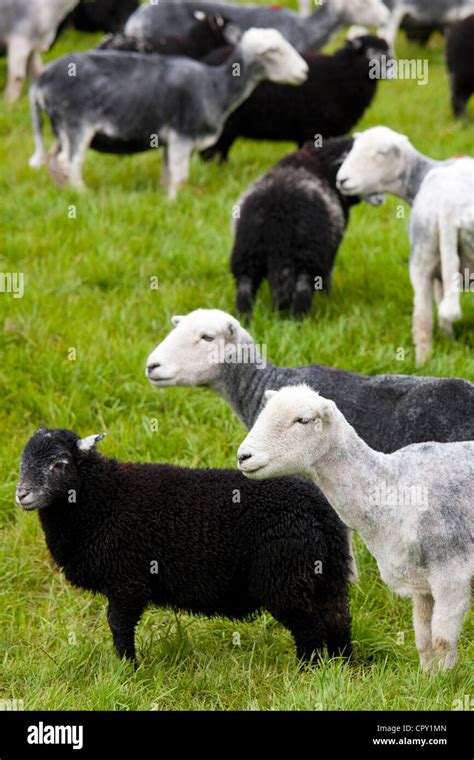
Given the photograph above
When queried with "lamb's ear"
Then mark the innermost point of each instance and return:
(326, 411)
(176, 319)
(199, 15)
(86, 444)
(232, 34)
(230, 330)
(270, 394)
(375, 199)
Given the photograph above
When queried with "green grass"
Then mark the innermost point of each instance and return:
(88, 287)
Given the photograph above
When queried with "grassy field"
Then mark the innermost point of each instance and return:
(87, 288)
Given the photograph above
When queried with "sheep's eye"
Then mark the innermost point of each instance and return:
(58, 466)
(207, 338)
(303, 420)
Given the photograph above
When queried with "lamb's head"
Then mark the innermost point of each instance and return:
(49, 468)
(277, 60)
(361, 12)
(293, 430)
(196, 350)
(377, 163)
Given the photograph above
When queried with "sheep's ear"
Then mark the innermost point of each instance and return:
(176, 320)
(40, 430)
(199, 15)
(232, 34)
(86, 444)
(375, 199)
(219, 20)
(230, 330)
(270, 394)
(325, 411)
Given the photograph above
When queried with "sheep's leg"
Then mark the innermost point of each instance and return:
(179, 154)
(459, 98)
(303, 295)
(422, 311)
(123, 617)
(57, 162)
(246, 292)
(338, 627)
(422, 614)
(35, 65)
(282, 287)
(449, 310)
(452, 596)
(389, 31)
(308, 630)
(79, 144)
(165, 172)
(19, 51)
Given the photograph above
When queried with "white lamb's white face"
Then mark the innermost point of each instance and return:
(292, 431)
(281, 62)
(375, 163)
(365, 12)
(192, 353)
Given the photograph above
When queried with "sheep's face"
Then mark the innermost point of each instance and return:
(363, 12)
(377, 163)
(194, 352)
(49, 467)
(292, 432)
(279, 60)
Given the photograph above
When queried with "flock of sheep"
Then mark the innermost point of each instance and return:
(195, 76)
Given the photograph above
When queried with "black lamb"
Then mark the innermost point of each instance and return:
(334, 97)
(210, 32)
(460, 58)
(204, 541)
(290, 225)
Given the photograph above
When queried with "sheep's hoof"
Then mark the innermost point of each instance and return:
(449, 310)
(36, 161)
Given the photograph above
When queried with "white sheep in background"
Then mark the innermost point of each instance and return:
(414, 508)
(441, 223)
(28, 28)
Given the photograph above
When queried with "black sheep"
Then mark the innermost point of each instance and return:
(331, 101)
(204, 541)
(208, 33)
(460, 58)
(289, 228)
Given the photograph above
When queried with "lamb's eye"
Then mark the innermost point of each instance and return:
(207, 338)
(303, 420)
(58, 466)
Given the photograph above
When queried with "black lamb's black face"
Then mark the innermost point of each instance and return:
(48, 468)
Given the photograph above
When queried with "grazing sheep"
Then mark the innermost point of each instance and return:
(127, 102)
(460, 58)
(203, 541)
(414, 508)
(290, 224)
(303, 32)
(441, 221)
(27, 29)
(334, 97)
(209, 32)
(209, 348)
(425, 15)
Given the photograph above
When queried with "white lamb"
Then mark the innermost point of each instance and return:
(441, 222)
(414, 508)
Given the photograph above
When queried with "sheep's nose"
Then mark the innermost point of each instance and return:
(22, 492)
(153, 366)
(340, 183)
(243, 457)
